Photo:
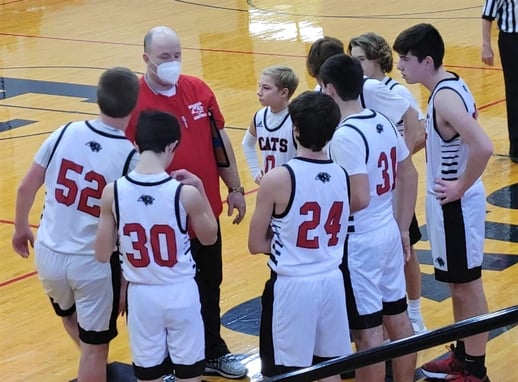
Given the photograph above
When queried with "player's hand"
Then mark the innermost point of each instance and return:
(447, 191)
(236, 200)
(405, 241)
(186, 177)
(21, 239)
(122, 298)
(258, 177)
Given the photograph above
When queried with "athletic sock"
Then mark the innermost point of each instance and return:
(475, 365)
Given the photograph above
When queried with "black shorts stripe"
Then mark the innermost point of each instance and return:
(456, 249)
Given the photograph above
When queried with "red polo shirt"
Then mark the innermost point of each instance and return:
(189, 105)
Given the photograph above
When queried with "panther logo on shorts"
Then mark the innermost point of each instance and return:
(440, 262)
(146, 199)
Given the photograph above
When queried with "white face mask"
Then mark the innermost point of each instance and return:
(169, 72)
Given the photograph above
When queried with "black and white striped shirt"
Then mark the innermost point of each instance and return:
(505, 12)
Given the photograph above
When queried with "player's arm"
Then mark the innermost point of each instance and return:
(406, 194)
(420, 139)
(249, 143)
(107, 228)
(274, 192)
(200, 213)
(230, 175)
(412, 127)
(29, 186)
(350, 153)
(453, 118)
(360, 194)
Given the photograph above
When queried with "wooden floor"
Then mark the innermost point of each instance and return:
(51, 55)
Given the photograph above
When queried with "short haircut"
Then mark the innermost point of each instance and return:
(321, 50)
(284, 78)
(421, 40)
(345, 73)
(316, 116)
(156, 130)
(148, 38)
(117, 92)
(375, 48)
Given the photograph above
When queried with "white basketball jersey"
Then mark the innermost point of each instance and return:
(309, 236)
(275, 137)
(404, 93)
(376, 96)
(80, 159)
(446, 159)
(368, 143)
(152, 226)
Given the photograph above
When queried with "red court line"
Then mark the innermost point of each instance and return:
(11, 2)
(487, 105)
(139, 44)
(30, 274)
(17, 278)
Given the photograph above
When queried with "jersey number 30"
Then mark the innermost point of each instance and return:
(159, 233)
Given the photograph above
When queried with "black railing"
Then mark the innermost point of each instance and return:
(461, 329)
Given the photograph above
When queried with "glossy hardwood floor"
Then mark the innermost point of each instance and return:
(51, 55)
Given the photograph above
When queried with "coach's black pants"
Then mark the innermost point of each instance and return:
(508, 46)
(209, 274)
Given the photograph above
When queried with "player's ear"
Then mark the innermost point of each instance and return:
(172, 146)
(135, 146)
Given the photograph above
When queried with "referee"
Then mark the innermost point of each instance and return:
(506, 14)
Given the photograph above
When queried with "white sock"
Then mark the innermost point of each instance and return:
(414, 306)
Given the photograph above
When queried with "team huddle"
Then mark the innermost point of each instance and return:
(135, 228)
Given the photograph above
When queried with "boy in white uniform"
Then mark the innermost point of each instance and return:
(457, 152)
(75, 163)
(300, 218)
(375, 156)
(146, 212)
(271, 126)
(375, 55)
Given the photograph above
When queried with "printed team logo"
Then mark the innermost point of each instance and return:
(94, 146)
(146, 199)
(440, 262)
(324, 177)
(197, 110)
(379, 128)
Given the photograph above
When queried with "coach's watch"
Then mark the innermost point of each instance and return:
(239, 189)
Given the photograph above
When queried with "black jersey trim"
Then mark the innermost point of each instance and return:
(116, 204)
(128, 162)
(276, 127)
(183, 229)
(57, 142)
(147, 184)
(292, 194)
(104, 134)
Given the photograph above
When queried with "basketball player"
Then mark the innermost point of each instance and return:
(373, 94)
(375, 156)
(300, 218)
(271, 125)
(146, 212)
(457, 151)
(75, 163)
(163, 87)
(375, 55)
